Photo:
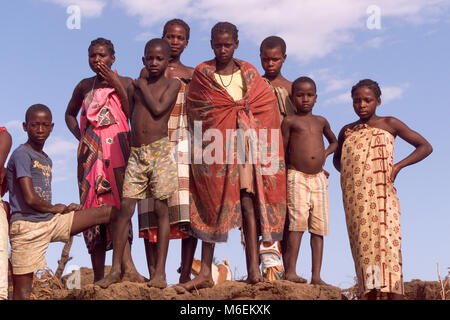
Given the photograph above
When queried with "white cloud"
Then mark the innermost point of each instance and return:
(14, 124)
(144, 36)
(57, 146)
(343, 98)
(63, 154)
(375, 42)
(89, 8)
(312, 29)
(388, 94)
(393, 93)
(331, 82)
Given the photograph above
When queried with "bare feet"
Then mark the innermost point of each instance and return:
(254, 278)
(294, 278)
(199, 282)
(133, 276)
(157, 283)
(318, 281)
(112, 277)
(184, 279)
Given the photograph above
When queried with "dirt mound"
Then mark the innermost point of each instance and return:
(229, 290)
(425, 290)
(54, 289)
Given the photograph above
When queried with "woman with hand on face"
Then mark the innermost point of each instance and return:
(104, 147)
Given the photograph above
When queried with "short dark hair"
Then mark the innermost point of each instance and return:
(103, 42)
(273, 42)
(36, 108)
(158, 42)
(224, 27)
(177, 22)
(301, 80)
(372, 85)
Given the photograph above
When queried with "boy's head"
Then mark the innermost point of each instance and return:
(101, 50)
(304, 94)
(156, 56)
(38, 123)
(224, 41)
(176, 32)
(366, 95)
(272, 54)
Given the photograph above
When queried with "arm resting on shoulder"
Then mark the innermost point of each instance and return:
(167, 100)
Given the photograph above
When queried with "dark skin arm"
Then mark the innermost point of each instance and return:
(331, 138)
(37, 203)
(329, 135)
(131, 90)
(73, 108)
(167, 100)
(338, 152)
(5, 147)
(286, 132)
(423, 147)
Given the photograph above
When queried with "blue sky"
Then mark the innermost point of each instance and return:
(43, 60)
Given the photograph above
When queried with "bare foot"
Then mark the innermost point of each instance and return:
(254, 279)
(133, 276)
(294, 278)
(184, 279)
(318, 282)
(157, 283)
(199, 282)
(112, 277)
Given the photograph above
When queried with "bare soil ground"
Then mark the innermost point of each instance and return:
(48, 287)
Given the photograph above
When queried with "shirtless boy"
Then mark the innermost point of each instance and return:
(176, 32)
(150, 170)
(273, 55)
(307, 195)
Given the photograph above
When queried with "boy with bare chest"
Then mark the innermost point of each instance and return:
(150, 171)
(307, 195)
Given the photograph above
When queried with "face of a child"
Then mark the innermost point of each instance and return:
(156, 60)
(304, 97)
(223, 46)
(100, 54)
(38, 127)
(272, 60)
(365, 102)
(176, 37)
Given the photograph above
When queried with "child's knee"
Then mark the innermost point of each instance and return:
(127, 208)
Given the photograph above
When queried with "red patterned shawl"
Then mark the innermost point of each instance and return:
(215, 188)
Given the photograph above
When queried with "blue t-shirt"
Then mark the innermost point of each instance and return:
(26, 162)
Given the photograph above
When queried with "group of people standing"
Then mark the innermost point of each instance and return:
(273, 185)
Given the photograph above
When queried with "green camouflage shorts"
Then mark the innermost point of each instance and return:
(151, 172)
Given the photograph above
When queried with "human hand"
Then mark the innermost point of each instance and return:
(59, 208)
(140, 83)
(144, 73)
(110, 76)
(73, 207)
(394, 172)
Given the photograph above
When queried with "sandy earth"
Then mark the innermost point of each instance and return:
(48, 288)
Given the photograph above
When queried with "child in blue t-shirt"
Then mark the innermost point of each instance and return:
(35, 221)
